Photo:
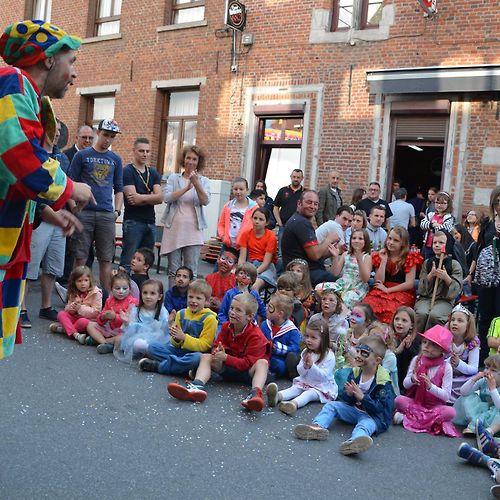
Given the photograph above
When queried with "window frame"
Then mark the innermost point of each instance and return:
(364, 24)
(334, 22)
(89, 108)
(47, 11)
(165, 119)
(176, 7)
(98, 21)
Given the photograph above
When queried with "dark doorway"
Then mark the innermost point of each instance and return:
(418, 166)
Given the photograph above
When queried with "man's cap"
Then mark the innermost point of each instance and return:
(109, 125)
(25, 43)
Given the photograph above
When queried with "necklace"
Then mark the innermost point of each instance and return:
(145, 182)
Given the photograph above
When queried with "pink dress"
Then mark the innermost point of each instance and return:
(184, 231)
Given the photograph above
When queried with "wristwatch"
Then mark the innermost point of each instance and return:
(118, 212)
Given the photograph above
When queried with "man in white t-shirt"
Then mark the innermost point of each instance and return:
(403, 213)
(342, 222)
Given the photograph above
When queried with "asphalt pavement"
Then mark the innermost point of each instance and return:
(79, 425)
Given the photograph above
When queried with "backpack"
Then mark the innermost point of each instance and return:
(488, 266)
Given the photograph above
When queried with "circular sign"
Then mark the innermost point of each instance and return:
(429, 6)
(236, 15)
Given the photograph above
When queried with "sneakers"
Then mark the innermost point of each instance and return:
(56, 328)
(62, 292)
(356, 445)
(254, 401)
(494, 466)
(190, 392)
(469, 431)
(472, 455)
(148, 365)
(288, 407)
(397, 419)
(272, 395)
(80, 337)
(310, 432)
(495, 491)
(485, 440)
(89, 341)
(103, 348)
(48, 313)
(24, 319)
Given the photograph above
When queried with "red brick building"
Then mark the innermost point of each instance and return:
(376, 89)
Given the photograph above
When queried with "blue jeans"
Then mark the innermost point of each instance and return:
(136, 235)
(364, 424)
(173, 360)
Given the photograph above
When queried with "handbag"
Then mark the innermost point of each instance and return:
(488, 266)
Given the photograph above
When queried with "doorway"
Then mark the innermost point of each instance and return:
(418, 149)
(279, 150)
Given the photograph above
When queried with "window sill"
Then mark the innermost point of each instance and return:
(102, 38)
(182, 26)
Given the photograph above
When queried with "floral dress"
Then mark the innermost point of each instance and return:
(350, 285)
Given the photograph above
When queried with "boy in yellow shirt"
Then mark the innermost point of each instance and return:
(191, 334)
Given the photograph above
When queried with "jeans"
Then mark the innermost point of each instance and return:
(321, 276)
(173, 360)
(364, 424)
(136, 235)
(186, 256)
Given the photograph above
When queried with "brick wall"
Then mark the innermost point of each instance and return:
(282, 56)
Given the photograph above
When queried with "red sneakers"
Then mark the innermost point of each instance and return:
(188, 392)
(254, 401)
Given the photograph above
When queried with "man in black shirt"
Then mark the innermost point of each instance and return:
(373, 199)
(285, 203)
(300, 242)
(141, 189)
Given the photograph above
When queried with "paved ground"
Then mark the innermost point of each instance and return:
(76, 424)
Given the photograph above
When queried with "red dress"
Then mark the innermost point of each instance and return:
(384, 304)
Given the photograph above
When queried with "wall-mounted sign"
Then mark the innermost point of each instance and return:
(236, 16)
(429, 6)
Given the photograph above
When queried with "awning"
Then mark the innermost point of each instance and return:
(435, 79)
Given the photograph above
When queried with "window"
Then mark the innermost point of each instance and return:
(355, 14)
(98, 108)
(187, 11)
(178, 125)
(342, 15)
(41, 9)
(108, 17)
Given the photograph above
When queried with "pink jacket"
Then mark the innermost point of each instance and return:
(225, 221)
(89, 304)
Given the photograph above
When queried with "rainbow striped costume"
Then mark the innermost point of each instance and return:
(27, 176)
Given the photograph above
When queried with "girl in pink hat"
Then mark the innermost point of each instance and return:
(428, 384)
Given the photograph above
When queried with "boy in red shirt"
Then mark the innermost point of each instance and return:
(222, 280)
(241, 355)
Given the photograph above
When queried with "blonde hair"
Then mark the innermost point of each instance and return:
(384, 332)
(376, 343)
(248, 301)
(200, 286)
(283, 303)
(405, 246)
(493, 361)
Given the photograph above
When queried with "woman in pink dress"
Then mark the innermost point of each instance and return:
(185, 195)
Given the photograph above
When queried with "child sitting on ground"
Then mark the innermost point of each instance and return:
(108, 327)
(305, 292)
(223, 279)
(465, 347)
(241, 355)
(192, 334)
(315, 381)
(428, 385)
(288, 284)
(147, 321)
(360, 319)
(368, 401)
(331, 312)
(449, 285)
(245, 277)
(141, 263)
(480, 399)
(176, 297)
(403, 325)
(282, 333)
(84, 304)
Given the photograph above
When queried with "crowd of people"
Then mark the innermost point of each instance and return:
(384, 312)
